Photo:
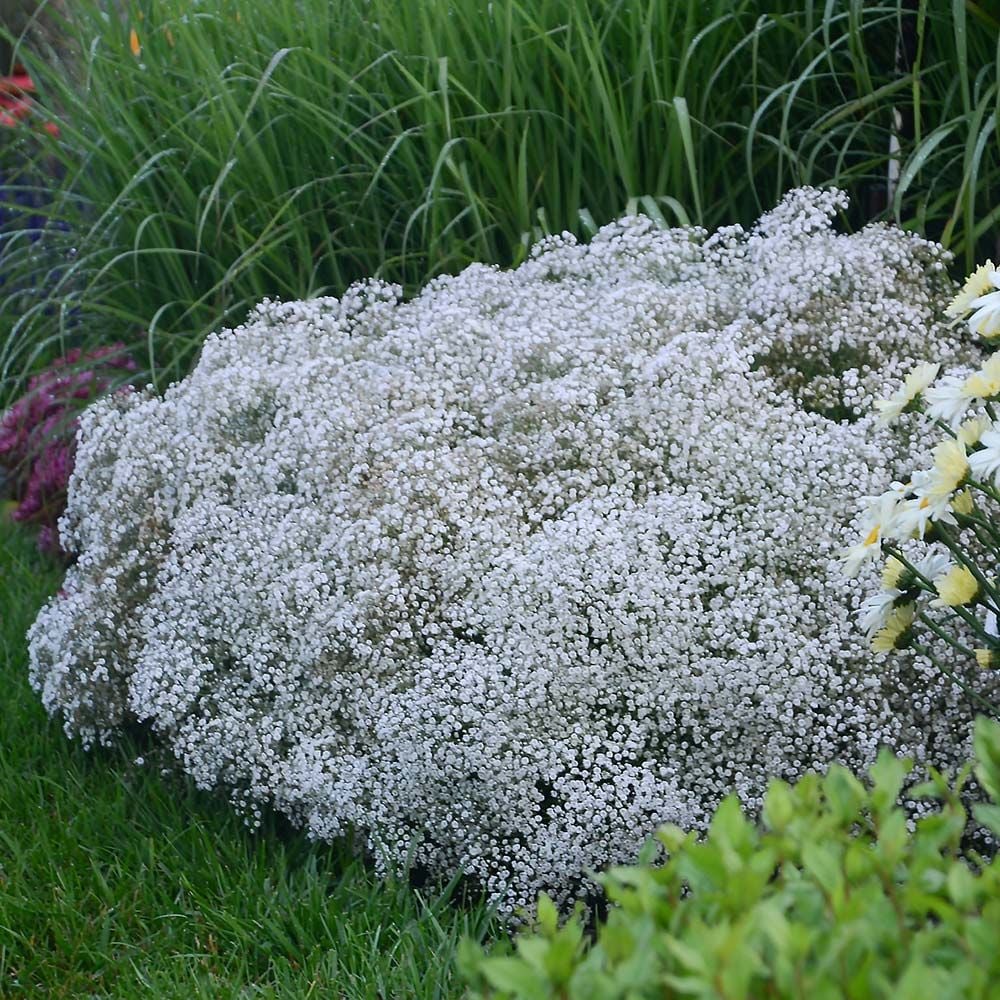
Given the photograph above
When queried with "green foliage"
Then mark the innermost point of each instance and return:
(287, 148)
(832, 895)
(118, 881)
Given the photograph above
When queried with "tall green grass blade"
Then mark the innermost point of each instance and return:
(687, 139)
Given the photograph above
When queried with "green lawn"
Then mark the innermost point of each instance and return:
(116, 881)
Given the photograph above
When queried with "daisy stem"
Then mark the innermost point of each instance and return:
(980, 522)
(951, 543)
(941, 634)
(984, 488)
(973, 695)
(941, 425)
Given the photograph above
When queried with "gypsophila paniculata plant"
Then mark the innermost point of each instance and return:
(937, 533)
(507, 575)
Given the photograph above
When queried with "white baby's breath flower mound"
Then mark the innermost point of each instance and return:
(515, 571)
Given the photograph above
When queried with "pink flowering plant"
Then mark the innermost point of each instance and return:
(938, 531)
(38, 434)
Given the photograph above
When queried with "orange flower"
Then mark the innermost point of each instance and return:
(133, 42)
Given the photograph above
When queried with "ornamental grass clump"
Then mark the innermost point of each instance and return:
(507, 575)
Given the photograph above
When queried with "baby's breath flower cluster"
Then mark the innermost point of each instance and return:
(939, 529)
(513, 572)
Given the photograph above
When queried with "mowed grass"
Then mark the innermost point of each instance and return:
(116, 881)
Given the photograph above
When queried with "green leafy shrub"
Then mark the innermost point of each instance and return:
(834, 894)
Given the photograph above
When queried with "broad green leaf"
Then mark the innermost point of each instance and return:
(893, 836)
(548, 915)
(962, 885)
(888, 774)
(689, 957)
(823, 862)
(515, 976)
(779, 806)
(986, 743)
(844, 793)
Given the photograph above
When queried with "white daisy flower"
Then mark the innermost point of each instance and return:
(896, 575)
(931, 502)
(973, 429)
(896, 633)
(915, 383)
(879, 522)
(985, 321)
(854, 557)
(876, 609)
(985, 464)
(947, 401)
(934, 562)
(957, 586)
(991, 625)
(899, 576)
(985, 383)
(915, 516)
(951, 466)
(976, 285)
(963, 503)
(987, 658)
